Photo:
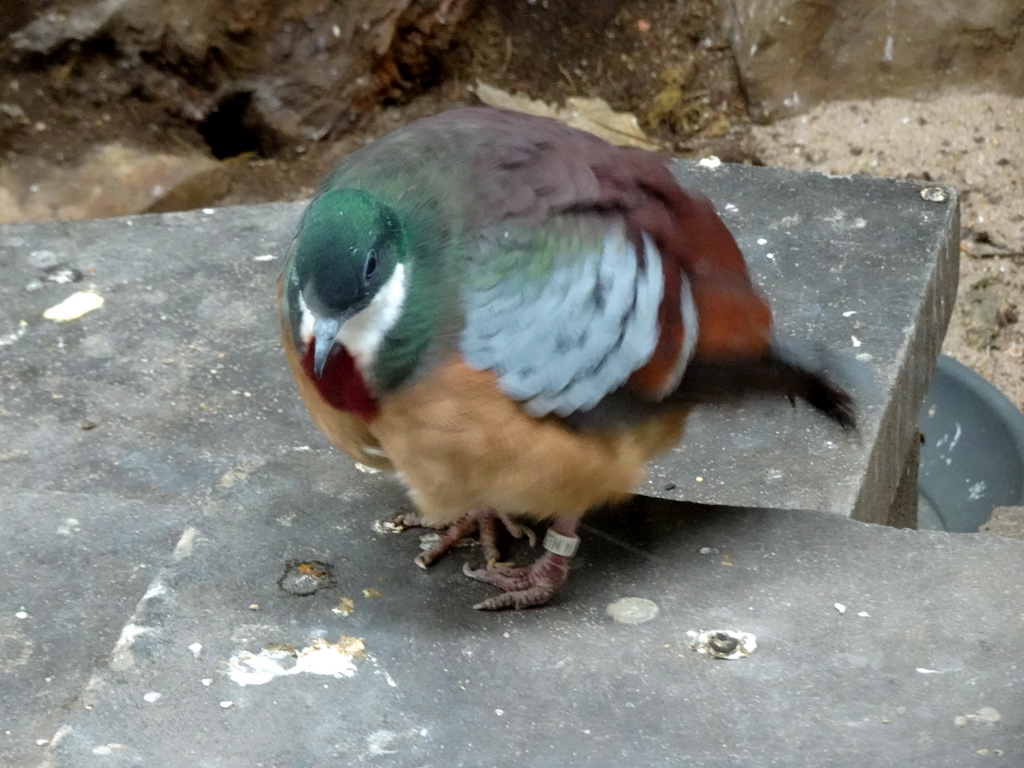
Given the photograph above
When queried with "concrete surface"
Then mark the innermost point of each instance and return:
(167, 416)
(441, 685)
(868, 269)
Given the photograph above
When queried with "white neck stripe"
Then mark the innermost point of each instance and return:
(363, 333)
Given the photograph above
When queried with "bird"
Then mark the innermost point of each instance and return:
(516, 316)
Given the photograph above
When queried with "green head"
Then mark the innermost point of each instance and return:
(348, 245)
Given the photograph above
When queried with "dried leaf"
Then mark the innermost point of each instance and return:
(593, 115)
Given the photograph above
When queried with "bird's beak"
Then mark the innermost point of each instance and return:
(325, 331)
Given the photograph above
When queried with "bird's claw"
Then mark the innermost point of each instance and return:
(520, 592)
(485, 521)
(525, 587)
(403, 521)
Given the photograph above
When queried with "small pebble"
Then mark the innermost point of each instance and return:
(934, 194)
(723, 643)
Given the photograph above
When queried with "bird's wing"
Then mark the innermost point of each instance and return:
(563, 313)
(565, 290)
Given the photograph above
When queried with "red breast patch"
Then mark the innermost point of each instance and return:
(342, 385)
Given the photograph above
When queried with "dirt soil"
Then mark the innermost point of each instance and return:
(70, 154)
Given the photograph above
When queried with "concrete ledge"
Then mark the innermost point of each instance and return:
(168, 415)
(918, 664)
(867, 268)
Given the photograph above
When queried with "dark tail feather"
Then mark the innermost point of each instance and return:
(782, 370)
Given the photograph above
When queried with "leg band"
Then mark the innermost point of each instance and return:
(565, 546)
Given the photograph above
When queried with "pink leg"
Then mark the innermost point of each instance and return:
(489, 534)
(485, 520)
(532, 585)
(456, 532)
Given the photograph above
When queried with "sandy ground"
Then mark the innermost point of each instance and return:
(976, 144)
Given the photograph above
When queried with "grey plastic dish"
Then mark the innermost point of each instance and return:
(972, 459)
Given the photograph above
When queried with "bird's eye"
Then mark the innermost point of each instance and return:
(371, 265)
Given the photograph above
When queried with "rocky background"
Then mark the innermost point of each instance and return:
(111, 107)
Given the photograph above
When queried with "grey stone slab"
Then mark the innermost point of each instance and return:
(122, 420)
(929, 638)
(180, 370)
(868, 269)
(74, 566)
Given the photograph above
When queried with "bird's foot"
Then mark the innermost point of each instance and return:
(485, 521)
(456, 532)
(528, 586)
(402, 521)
